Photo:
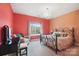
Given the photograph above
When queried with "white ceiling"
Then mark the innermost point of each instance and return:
(44, 10)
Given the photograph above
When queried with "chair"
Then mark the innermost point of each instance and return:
(23, 44)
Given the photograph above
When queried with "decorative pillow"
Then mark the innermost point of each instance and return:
(64, 34)
(19, 35)
(54, 35)
(14, 36)
(57, 33)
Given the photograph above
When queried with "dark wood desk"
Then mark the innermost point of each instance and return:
(7, 49)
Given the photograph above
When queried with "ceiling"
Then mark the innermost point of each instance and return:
(44, 10)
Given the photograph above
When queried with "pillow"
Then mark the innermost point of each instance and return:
(54, 34)
(65, 35)
(14, 36)
(19, 35)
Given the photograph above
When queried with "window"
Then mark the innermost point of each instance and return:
(35, 28)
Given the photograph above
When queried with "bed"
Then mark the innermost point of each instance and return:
(60, 39)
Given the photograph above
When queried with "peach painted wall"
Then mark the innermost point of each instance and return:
(68, 20)
(6, 15)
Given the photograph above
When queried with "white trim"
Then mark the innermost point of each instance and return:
(34, 34)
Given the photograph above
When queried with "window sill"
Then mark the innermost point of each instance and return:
(34, 34)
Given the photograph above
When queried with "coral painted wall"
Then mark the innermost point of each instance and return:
(21, 23)
(68, 20)
(6, 15)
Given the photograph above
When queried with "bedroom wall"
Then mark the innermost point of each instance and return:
(21, 23)
(68, 20)
(6, 16)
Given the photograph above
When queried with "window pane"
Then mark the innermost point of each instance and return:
(35, 28)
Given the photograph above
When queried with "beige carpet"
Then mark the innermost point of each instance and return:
(37, 49)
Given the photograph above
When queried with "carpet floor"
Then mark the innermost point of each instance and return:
(37, 49)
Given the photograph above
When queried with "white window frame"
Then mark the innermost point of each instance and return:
(41, 31)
